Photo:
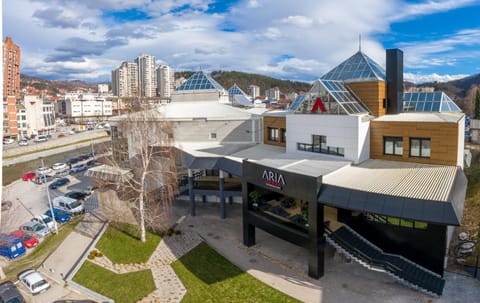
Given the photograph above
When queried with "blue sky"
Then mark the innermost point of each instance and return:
(297, 40)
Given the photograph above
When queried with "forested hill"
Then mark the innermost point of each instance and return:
(243, 80)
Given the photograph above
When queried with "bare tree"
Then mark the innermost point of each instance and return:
(143, 142)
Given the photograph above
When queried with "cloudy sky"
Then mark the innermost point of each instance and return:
(288, 39)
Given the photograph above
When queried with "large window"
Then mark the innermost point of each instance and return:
(393, 146)
(420, 147)
(273, 134)
(319, 145)
(397, 221)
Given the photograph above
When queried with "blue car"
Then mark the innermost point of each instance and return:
(58, 183)
(60, 215)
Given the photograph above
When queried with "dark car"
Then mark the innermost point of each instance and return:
(58, 183)
(72, 161)
(60, 215)
(9, 293)
(84, 156)
(78, 195)
(92, 163)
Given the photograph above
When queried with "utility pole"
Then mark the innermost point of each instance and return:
(49, 200)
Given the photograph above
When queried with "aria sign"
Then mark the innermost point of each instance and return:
(273, 179)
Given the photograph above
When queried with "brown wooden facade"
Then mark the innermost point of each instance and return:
(372, 95)
(274, 122)
(443, 140)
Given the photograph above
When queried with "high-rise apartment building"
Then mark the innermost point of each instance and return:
(254, 91)
(125, 80)
(147, 77)
(11, 68)
(11, 86)
(165, 81)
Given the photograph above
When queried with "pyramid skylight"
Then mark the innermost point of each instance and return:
(429, 102)
(200, 81)
(358, 67)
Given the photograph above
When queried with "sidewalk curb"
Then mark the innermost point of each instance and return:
(76, 267)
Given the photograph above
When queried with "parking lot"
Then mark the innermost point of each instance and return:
(29, 199)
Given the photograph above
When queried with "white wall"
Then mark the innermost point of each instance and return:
(344, 131)
(461, 141)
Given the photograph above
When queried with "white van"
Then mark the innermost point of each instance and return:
(68, 205)
(41, 138)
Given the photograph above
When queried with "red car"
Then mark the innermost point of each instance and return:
(29, 241)
(30, 175)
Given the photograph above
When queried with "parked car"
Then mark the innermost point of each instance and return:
(59, 166)
(29, 175)
(43, 179)
(44, 171)
(28, 240)
(92, 163)
(60, 135)
(43, 219)
(77, 195)
(11, 247)
(72, 161)
(84, 156)
(68, 205)
(33, 281)
(60, 215)
(10, 294)
(57, 183)
(8, 141)
(62, 173)
(35, 228)
(23, 142)
(41, 138)
(78, 168)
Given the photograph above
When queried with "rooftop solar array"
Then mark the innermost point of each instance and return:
(428, 102)
(242, 100)
(358, 67)
(200, 81)
(298, 100)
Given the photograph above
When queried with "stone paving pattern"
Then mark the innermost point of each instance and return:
(169, 287)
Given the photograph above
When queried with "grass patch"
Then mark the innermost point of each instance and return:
(121, 244)
(54, 147)
(128, 287)
(41, 252)
(209, 277)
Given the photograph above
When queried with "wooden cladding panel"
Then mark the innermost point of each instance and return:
(372, 94)
(443, 140)
(274, 122)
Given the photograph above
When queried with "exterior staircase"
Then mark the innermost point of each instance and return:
(355, 247)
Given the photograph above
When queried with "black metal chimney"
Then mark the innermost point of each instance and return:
(394, 81)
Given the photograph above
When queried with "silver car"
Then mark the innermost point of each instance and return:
(33, 281)
(36, 229)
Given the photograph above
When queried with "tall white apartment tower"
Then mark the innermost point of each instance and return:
(165, 81)
(253, 91)
(147, 77)
(125, 80)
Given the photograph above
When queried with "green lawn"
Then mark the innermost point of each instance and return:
(128, 288)
(209, 277)
(121, 244)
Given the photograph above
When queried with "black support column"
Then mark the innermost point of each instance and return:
(190, 192)
(316, 247)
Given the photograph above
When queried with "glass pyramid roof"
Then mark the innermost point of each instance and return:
(200, 81)
(358, 67)
(297, 102)
(235, 90)
(429, 102)
(344, 97)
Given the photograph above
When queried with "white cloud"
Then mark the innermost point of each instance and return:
(419, 78)
(300, 21)
(317, 35)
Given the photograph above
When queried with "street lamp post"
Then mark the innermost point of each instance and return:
(49, 200)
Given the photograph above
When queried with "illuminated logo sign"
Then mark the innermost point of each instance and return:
(318, 105)
(273, 179)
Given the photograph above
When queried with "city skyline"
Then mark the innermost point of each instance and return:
(86, 40)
